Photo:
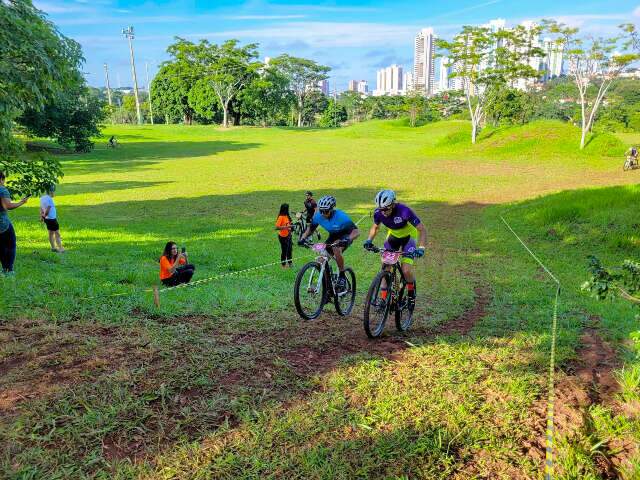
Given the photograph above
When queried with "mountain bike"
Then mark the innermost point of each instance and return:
(631, 163)
(377, 309)
(316, 285)
(300, 226)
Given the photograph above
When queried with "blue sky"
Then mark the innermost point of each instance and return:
(354, 38)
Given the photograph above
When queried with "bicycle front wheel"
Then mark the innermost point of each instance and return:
(309, 292)
(376, 309)
(345, 300)
(404, 315)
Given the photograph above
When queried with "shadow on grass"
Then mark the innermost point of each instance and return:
(137, 155)
(79, 188)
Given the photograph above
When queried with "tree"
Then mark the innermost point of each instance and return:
(36, 62)
(508, 106)
(414, 105)
(592, 61)
(174, 81)
(333, 115)
(486, 60)
(303, 76)
(227, 68)
(354, 105)
(267, 100)
(71, 118)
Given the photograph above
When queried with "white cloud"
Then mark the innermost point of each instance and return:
(329, 34)
(636, 12)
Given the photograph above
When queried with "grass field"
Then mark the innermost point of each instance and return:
(224, 381)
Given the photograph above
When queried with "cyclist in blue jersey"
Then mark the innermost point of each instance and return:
(340, 228)
(404, 228)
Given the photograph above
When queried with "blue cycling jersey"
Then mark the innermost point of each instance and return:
(339, 222)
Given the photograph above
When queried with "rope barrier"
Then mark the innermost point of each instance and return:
(550, 429)
(202, 281)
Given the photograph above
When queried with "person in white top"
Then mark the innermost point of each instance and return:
(49, 216)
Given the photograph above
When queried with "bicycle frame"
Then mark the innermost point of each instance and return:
(324, 258)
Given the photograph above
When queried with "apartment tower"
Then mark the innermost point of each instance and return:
(424, 61)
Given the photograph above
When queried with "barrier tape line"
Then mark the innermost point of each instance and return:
(550, 428)
(205, 280)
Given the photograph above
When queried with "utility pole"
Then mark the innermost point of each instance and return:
(146, 67)
(106, 77)
(335, 103)
(128, 32)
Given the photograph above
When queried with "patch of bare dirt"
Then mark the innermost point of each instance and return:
(50, 359)
(465, 322)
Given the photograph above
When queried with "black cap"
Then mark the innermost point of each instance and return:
(308, 192)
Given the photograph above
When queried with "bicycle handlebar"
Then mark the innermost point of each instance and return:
(375, 249)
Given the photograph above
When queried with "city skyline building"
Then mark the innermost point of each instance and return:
(408, 82)
(424, 61)
(553, 60)
(389, 80)
(363, 87)
(445, 72)
(353, 85)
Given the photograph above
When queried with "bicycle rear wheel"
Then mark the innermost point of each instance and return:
(376, 310)
(309, 291)
(345, 300)
(404, 316)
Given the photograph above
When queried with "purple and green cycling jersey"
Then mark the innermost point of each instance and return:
(401, 224)
(402, 221)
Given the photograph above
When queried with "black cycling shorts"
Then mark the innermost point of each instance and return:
(52, 224)
(334, 237)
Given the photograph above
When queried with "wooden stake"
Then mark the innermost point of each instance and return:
(156, 296)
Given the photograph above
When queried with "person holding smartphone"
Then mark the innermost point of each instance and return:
(7, 233)
(175, 268)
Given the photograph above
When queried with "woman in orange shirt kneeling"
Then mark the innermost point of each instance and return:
(174, 266)
(283, 226)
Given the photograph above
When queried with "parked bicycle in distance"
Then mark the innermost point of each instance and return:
(377, 308)
(631, 163)
(316, 285)
(300, 226)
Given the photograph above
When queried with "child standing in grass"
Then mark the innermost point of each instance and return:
(49, 216)
(283, 226)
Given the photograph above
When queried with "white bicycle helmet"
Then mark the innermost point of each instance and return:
(327, 202)
(384, 198)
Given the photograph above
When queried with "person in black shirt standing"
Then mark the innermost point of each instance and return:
(310, 206)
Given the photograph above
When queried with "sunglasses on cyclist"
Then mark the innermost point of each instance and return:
(325, 212)
(387, 209)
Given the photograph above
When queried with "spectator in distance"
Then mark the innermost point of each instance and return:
(283, 226)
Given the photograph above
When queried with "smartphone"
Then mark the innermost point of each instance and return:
(184, 249)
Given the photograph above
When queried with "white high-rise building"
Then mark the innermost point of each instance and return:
(552, 60)
(353, 85)
(445, 71)
(363, 87)
(389, 81)
(408, 82)
(424, 61)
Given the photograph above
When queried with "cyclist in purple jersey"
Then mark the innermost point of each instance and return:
(404, 228)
